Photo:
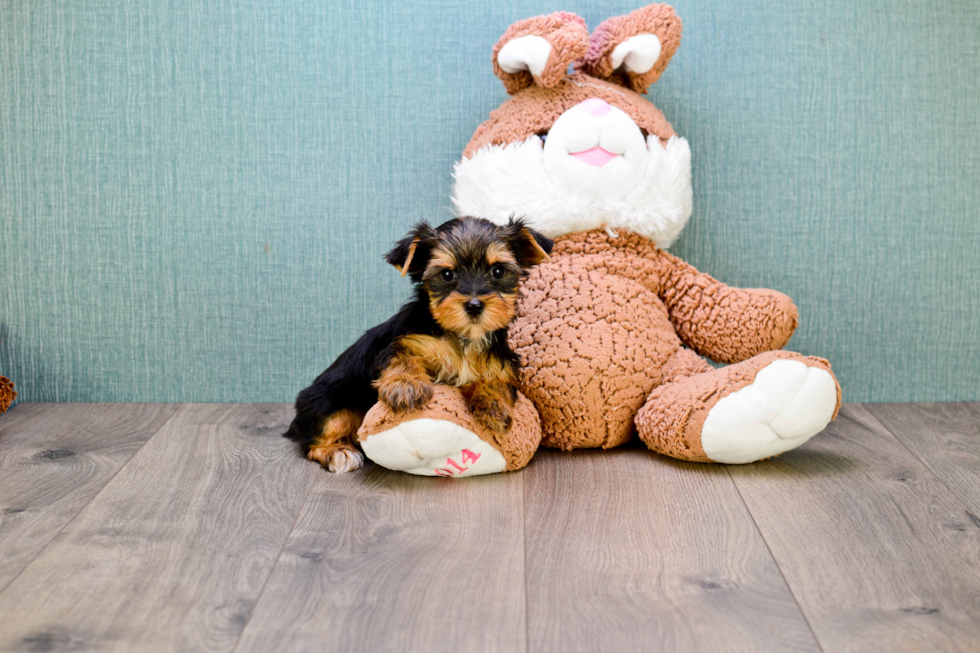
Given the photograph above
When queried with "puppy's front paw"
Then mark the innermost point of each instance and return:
(491, 412)
(406, 395)
(337, 459)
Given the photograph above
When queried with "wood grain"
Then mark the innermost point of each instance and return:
(53, 459)
(880, 555)
(213, 531)
(384, 561)
(175, 550)
(946, 438)
(629, 551)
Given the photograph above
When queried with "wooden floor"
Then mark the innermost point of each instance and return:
(152, 527)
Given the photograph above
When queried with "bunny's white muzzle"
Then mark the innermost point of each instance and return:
(593, 169)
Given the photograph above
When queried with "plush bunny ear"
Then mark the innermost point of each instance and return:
(634, 49)
(538, 50)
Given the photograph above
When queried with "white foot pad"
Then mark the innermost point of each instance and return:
(786, 405)
(431, 447)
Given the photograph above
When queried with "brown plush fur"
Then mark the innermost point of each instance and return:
(516, 445)
(535, 109)
(537, 103)
(569, 39)
(671, 419)
(652, 19)
(628, 311)
(7, 393)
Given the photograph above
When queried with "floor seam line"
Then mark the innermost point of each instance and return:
(272, 569)
(91, 499)
(772, 556)
(924, 463)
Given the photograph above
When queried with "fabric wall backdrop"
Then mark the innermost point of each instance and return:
(195, 195)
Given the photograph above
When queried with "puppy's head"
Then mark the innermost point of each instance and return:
(470, 269)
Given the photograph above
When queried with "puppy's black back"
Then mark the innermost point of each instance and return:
(347, 382)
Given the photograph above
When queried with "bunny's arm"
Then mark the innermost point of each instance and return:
(726, 324)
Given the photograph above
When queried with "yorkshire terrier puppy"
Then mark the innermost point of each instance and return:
(453, 332)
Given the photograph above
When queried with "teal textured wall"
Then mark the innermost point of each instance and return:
(195, 195)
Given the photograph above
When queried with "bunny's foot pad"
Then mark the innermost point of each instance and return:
(443, 439)
(787, 404)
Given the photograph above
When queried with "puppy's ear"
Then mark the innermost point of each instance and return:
(529, 246)
(410, 255)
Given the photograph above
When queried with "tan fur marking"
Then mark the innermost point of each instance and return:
(500, 253)
(451, 314)
(454, 362)
(442, 258)
(408, 259)
(339, 432)
(404, 384)
(540, 255)
(491, 402)
(498, 310)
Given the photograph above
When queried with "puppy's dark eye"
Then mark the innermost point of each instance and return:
(543, 135)
(448, 276)
(497, 271)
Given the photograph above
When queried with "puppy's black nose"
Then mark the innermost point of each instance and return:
(473, 307)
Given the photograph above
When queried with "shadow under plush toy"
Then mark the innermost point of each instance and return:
(613, 329)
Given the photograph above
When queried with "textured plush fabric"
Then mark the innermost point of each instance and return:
(7, 393)
(195, 196)
(658, 19)
(671, 420)
(565, 33)
(517, 444)
(537, 108)
(600, 325)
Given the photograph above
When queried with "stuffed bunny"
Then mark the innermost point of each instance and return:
(613, 329)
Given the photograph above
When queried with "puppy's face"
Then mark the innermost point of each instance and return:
(471, 279)
(471, 269)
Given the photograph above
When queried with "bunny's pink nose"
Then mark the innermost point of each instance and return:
(596, 107)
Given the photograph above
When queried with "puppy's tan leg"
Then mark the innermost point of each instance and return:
(404, 385)
(334, 448)
(491, 402)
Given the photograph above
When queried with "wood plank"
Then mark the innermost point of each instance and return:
(880, 555)
(385, 561)
(53, 459)
(630, 551)
(175, 550)
(946, 438)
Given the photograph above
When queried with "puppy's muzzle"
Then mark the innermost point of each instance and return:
(473, 307)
